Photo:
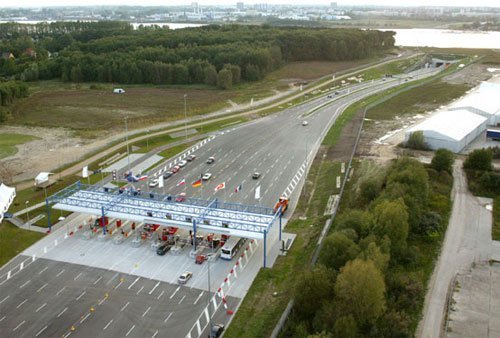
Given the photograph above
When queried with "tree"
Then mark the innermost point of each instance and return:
(210, 75)
(356, 219)
(360, 291)
(391, 219)
(225, 79)
(373, 253)
(479, 159)
(252, 72)
(417, 141)
(338, 250)
(235, 71)
(345, 327)
(443, 160)
(76, 74)
(312, 289)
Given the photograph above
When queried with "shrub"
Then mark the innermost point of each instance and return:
(479, 159)
(417, 141)
(443, 160)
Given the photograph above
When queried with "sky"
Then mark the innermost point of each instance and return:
(45, 3)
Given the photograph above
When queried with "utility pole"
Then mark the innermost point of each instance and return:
(126, 140)
(185, 116)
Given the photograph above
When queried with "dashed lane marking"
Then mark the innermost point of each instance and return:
(108, 324)
(61, 313)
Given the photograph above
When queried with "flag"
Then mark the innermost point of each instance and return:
(220, 186)
(142, 178)
(238, 188)
(85, 172)
(196, 183)
(160, 182)
(181, 182)
(257, 193)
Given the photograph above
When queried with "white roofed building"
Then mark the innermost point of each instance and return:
(484, 101)
(450, 129)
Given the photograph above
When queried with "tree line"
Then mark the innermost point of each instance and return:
(10, 91)
(373, 267)
(114, 52)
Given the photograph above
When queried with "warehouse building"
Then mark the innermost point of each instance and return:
(450, 129)
(483, 101)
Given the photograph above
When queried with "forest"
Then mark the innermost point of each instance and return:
(214, 55)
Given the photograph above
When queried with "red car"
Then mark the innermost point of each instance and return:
(181, 197)
(175, 169)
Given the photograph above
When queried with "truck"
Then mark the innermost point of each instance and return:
(283, 203)
(493, 134)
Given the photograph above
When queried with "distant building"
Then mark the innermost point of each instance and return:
(240, 6)
(195, 7)
(333, 4)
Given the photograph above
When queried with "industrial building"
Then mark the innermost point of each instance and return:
(458, 125)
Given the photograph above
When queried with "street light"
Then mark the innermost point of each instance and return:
(185, 115)
(126, 139)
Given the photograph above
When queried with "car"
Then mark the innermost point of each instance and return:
(186, 275)
(256, 175)
(210, 160)
(191, 158)
(200, 259)
(206, 176)
(305, 123)
(153, 183)
(330, 96)
(216, 330)
(175, 169)
(167, 174)
(182, 163)
(181, 197)
(163, 249)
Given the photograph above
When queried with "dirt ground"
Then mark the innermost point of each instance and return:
(380, 139)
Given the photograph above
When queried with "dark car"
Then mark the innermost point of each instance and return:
(167, 174)
(210, 160)
(216, 331)
(162, 250)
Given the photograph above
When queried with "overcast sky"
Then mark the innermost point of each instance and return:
(45, 3)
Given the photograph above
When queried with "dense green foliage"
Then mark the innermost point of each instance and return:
(443, 160)
(9, 91)
(114, 52)
(479, 159)
(417, 141)
(378, 257)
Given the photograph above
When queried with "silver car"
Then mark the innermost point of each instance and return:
(186, 275)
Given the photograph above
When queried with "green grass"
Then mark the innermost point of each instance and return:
(8, 142)
(171, 152)
(495, 231)
(418, 100)
(14, 240)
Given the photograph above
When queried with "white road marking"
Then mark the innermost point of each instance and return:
(134, 282)
(41, 307)
(182, 299)
(197, 299)
(42, 287)
(154, 334)
(18, 326)
(168, 317)
(45, 268)
(108, 324)
(133, 326)
(67, 334)
(102, 300)
(84, 318)
(97, 281)
(1, 319)
(142, 287)
(146, 312)
(58, 292)
(118, 285)
(22, 286)
(60, 313)
(123, 308)
(60, 273)
(3, 300)
(161, 294)
(150, 292)
(21, 304)
(78, 298)
(77, 276)
(40, 332)
(173, 294)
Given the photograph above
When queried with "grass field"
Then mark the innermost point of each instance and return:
(9, 141)
(14, 240)
(418, 100)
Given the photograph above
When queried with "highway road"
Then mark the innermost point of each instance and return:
(95, 288)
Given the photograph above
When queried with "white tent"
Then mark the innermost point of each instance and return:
(42, 178)
(7, 195)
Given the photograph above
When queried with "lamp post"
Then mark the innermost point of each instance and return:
(28, 213)
(185, 115)
(126, 140)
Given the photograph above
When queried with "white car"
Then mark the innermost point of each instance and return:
(206, 176)
(305, 123)
(186, 275)
(153, 183)
(182, 163)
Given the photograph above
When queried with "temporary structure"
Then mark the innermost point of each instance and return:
(7, 195)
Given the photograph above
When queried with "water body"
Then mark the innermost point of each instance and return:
(442, 38)
(171, 25)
